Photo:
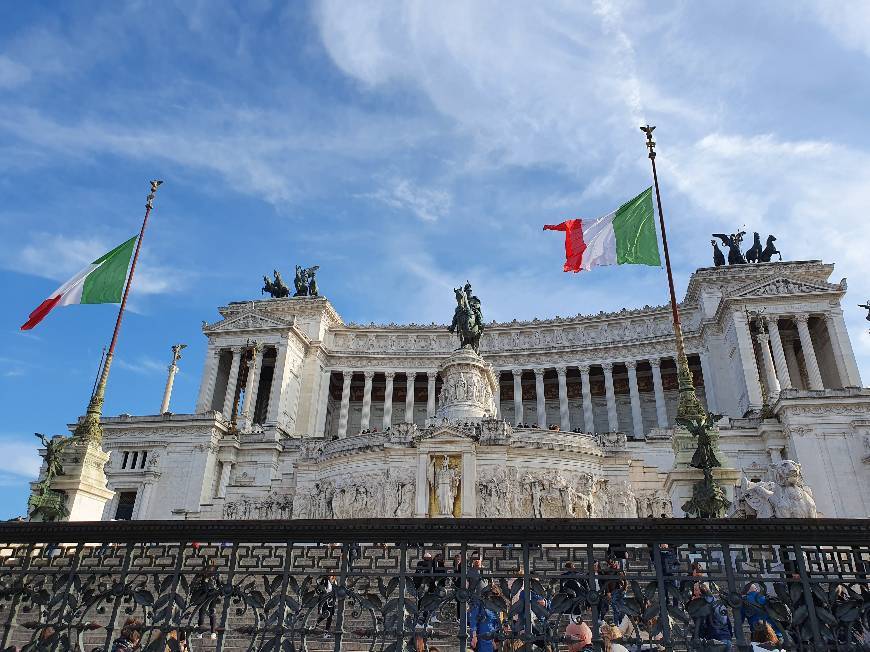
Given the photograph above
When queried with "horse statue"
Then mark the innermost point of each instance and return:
(275, 288)
(733, 243)
(753, 254)
(467, 318)
(769, 250)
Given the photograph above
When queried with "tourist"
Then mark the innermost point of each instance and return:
(439, 570)
(423, 579)
(579, 636)
(484, 622)
(326, 607)
(670, 567)
(764, 637)
(205, 591)
(613, 585)
(574, 587)
(610, 634)
(131, 635)
(715, 625)
(753, 609)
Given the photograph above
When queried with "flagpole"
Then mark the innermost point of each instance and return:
(89, 428)
(689, 407)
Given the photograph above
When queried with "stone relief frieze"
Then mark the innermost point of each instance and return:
(271, 506)
(387, 494)
(784, 286)
(653, 503)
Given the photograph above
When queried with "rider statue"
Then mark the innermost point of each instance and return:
(467, 318)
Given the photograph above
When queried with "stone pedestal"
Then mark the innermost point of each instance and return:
(468, 388)
(84, 481)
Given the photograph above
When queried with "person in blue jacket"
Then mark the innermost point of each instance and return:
(484, 621)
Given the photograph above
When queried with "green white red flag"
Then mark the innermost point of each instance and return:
(100, 282)
(626, 236)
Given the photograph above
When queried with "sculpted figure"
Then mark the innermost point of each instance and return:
(275, 288)
(301, 282)
(753, 254)
(467, 318)
(446, 487)
(783, 495)
(735, 257)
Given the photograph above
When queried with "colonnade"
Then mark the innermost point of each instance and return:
(224, 364)
(780, 366)
(389, 380)
(588, 424)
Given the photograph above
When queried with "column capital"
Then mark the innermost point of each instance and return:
(369, 375)
(762, 337)
(801, 318)
(770, 318)
(347, 375)
(655, 362)
(562, 371)
(518, 373)
(432, 374)
(607, 366)
(631, 364)
(389, 375)
(584, 369)
(410, 376)
(539, 373)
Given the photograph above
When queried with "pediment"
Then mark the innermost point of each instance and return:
(447, 433)
(248, 321)
(783, 286)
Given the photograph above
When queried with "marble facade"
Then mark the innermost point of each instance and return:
(561, 417)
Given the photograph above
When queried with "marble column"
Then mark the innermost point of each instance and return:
(794, 365)
(497, 394)
(518, 395)
(779, 360)
(612, 419)
(366, 415)
(810, 362)
(167, 391)
(769, 370)
(839, 359)
(430, 393)
(251, 386)
(835, 319)
(411, 376)
(345, 403)
(226, 469)
(658, 388)
(709, 381)
(388, 399)
(143, 501)
(564, 413)
(586, 390)
(279, 377)
(747, 359)
(540, 399)
(232, 380)
(634, 392)
(205, 401)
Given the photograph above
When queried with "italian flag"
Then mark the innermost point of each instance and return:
(627, 236)
(100, 282)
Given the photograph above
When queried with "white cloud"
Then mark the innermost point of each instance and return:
(847, 20)
(58, 257)
(12, 73)
(143, 365)
(426, 203)
(20, 461)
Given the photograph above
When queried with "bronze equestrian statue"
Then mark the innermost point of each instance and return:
(467, 318)
(277, 288)
(718, 256)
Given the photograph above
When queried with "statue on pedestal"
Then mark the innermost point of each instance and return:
(467, 318)
(446, 486)
(277, 289)
(305, 282)
(45, 502)
(708, 498)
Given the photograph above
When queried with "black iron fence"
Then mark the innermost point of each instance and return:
(394, 585)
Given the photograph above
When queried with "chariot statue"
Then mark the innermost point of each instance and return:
(467, 318)
(305, 282)
(276, 288)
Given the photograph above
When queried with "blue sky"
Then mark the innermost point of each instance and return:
(403, 147)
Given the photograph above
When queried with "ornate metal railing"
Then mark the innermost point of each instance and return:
(369, 585)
